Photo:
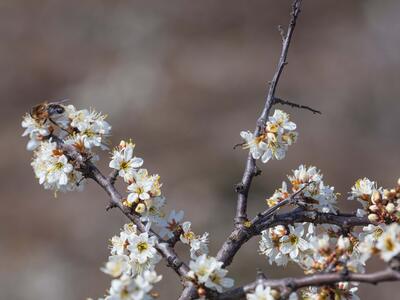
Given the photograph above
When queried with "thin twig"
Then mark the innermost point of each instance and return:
(295, 105)
(241, 208)
(241, 232)
(270, 211)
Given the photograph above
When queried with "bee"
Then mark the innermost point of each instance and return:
(44, 111)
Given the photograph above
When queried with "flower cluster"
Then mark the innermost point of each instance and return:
(281, 244)
(138, 288)
(314, 193)
(380, 205)
(279, 133)
(54, 170)
(83, 129)
(132, 262)
(318, 249)
(144, 189)
(380, 239)
(208, 271)
(339, 291)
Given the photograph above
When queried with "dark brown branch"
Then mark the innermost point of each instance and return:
(265, 215)
(299, 215)
(294, 284)
(112, 177)
(249, 172)
(241, 235)
(295, 105)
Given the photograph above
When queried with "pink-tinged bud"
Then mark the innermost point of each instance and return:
(386, 194)
(343, 285)
(390, 207)
(398, 182)
(122, 144)
(376, 197)
(275, 294)
(374, 208)
(373, 218)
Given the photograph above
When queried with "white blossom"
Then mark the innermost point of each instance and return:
(389, 242)
(208, 270)
(260, 293)
(142, 247)
(294, 242)
(117, 265)
(124, 161)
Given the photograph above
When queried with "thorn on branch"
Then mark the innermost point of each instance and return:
(295, 105)
(282, 32)
(111, 205)
(257, 171)
(260, 275)
(238, 145)
(173, 262)
(239, 187)
(113, 176)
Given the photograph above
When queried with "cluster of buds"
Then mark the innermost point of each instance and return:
(278, 134)
(385, 206)
(381, 205)
(341, 290)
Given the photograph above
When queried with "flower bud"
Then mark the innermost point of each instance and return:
(386, 193)
(343, 285)
(398, 182)
(201, 291)
(275, 294)
(122, 144)
(279, 230)
(140, 208)
(374, 208)
(373, 218)
(376, 197)
(390, 207)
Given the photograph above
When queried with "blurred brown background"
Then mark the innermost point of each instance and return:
(182, 78)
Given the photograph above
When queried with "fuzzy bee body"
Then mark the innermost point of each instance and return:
(44, 111)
